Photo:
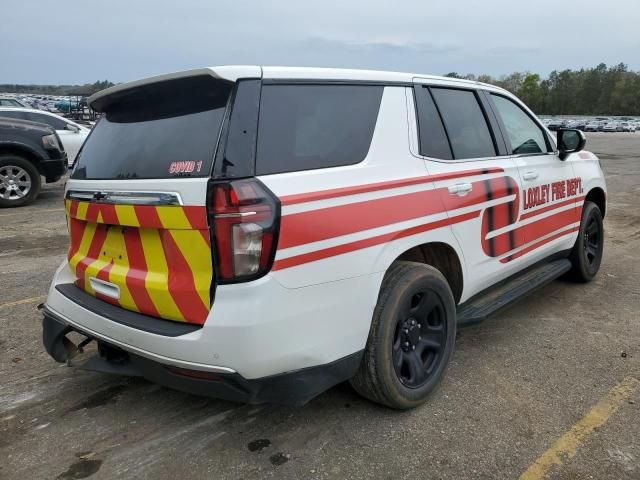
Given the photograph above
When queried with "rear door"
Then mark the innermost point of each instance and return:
(550, 191)
(478, 182)
(136, 199)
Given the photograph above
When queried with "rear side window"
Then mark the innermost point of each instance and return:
(433, 138)
(525, 135)
(162, 130)
(303, 127)
(465, 123)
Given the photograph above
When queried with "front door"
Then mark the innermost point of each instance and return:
(551, 194)
(478, 181)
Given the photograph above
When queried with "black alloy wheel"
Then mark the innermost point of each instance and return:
(419, 338)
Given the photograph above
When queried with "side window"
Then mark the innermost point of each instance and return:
(54, 122)
(465, 123)
(303, 127)
(16, 114)
(433, 138)
(523, 133)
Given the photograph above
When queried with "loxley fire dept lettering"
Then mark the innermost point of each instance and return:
(541, 194)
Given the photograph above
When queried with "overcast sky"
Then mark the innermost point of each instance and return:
(79, 41)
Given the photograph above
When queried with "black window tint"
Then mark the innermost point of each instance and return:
(54, 122)
(238, 158)
(523, 133)
(433, 139)
(304, 127)
(163, 130)
(20, 115)
(465, 123)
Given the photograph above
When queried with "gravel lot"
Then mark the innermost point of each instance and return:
(517, 384)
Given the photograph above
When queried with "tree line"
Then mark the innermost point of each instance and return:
(85, 90)
(600, 90)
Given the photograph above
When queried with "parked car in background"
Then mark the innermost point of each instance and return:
(71, 133)
(576, 124)
(555, 124)
(592, 127)
(10, 102)
(28, 150)
(611, 127)
(628, 126)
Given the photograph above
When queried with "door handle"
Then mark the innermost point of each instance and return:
(530, 175)
(460, 188)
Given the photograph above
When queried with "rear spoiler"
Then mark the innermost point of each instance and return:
(98, 101)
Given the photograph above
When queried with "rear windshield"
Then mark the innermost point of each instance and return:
(163, 130)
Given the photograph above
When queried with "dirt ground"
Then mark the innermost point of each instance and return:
(557, 373)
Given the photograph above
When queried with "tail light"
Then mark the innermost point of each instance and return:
(244, 220)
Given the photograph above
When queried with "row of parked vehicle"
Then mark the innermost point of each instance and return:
(593, 125)
(48, 103)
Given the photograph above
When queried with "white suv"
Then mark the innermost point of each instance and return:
(261, 234)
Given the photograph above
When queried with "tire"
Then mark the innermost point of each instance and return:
(412, 337)
(19, 181)
(586, 254)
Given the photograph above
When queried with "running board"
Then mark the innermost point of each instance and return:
(496, 298)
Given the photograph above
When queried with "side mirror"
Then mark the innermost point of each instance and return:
(72, 128)
(570, 141)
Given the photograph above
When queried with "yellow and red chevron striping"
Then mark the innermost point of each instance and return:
(159, 256)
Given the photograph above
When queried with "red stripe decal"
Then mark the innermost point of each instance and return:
(540, 228)
(539, 244)
(94, 251)
(92, 212)
(108, 213)
(73, 211)
(137, 273)
(182, 286)
(373, 187)
(532, 213)
(369, 242)
(197, 217)
(103, 274)
(147, 216)
(76, 231)
(304, 227)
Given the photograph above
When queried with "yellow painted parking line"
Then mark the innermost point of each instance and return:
(567, 445)
(23, 301)
(31, 211)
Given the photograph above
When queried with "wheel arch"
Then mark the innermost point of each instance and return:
(441, 256)
(597, 196)
(23, 151)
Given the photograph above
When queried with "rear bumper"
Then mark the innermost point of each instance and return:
(290, 388)
(256, 329)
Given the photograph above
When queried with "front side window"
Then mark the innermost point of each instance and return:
(465, 123)
(5, 102)
(304, 127)
(54, 122)
(525, 135)
(14, 114)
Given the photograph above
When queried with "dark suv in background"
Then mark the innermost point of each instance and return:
(28, 150)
